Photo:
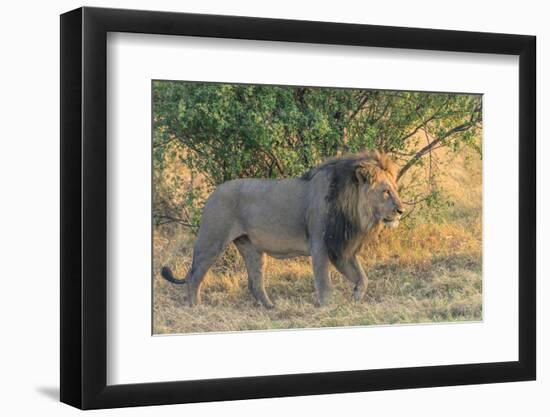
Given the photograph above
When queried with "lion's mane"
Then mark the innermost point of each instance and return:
(348, 221)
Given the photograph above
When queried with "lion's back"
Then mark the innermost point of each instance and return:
(270, 212)
(262, 200)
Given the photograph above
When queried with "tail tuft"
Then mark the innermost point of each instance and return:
(167, 274)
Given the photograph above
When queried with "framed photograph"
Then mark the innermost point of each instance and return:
(257, 208)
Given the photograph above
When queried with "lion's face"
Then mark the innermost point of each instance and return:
(386, 202)
(380, 196)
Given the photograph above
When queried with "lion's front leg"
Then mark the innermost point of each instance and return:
(321, 278)
(353, 271)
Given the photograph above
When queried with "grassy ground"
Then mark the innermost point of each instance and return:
(426, 271)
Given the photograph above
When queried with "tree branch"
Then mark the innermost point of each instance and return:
(273, 159)
(460, 128)
(159, 144)
(424, 122)
(360, 107)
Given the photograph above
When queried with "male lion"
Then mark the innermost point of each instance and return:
(325, 214)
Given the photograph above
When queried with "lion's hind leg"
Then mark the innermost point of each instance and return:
(209, 246)
(255, 262)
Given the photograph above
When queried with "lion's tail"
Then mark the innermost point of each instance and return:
(167, 274)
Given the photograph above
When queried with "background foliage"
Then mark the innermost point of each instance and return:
(223, 131)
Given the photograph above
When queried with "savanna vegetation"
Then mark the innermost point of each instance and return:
(427, 270)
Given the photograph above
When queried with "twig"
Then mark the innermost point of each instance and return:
(415, 202)
(175, 220)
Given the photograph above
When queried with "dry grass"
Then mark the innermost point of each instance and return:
(426, 272)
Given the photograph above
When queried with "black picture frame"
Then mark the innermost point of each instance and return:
(84, 207)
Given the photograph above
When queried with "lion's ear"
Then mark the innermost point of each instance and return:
(393, 169)
(365, 173)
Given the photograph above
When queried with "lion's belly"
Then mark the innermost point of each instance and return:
(286, 255)
(279, 245)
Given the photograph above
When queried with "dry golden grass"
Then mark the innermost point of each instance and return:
(426, 274)
(422, 272)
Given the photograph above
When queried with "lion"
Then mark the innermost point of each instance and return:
(326, 214)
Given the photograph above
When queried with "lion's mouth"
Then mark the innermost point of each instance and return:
(391, 223)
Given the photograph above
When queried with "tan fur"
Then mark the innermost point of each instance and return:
(326, 214)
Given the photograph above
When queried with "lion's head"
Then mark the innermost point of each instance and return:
(378, 194)
(362, 196)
